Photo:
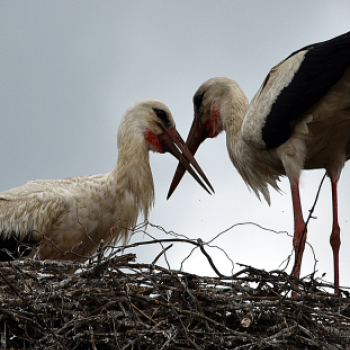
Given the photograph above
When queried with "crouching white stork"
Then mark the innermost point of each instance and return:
(299, 118)
(68, 218)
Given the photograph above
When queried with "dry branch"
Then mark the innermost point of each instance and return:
(115, 302)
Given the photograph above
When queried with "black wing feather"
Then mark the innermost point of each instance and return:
(323, 66)
(13, 248)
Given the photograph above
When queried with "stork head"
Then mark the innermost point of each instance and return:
(151, 122)
(217, 103)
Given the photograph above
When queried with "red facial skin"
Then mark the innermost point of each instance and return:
(171, 141)
(154, 141)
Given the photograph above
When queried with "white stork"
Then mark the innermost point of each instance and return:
(299, 118)
(67, 219)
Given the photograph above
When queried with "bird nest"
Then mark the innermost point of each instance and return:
(115, 302)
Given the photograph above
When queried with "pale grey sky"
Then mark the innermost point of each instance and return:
(70, 69)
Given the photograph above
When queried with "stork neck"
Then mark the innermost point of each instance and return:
(232, 118)
(132, 178)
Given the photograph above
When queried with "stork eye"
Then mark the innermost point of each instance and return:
(160, 114)
(198, 100)
(163, 116)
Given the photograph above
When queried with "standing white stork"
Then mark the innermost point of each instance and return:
(68, 218)
(299, 118)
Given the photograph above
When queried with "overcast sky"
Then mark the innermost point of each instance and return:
(69, 69)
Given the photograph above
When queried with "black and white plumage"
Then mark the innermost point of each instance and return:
(299, 119)
(68, 218)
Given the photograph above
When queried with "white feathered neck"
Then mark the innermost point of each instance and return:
(250, 162)
(132, 176)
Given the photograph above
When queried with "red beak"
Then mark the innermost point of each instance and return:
(174, 142)
(198, 133)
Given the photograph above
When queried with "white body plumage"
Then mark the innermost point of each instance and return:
(68, 218)
(298, 119)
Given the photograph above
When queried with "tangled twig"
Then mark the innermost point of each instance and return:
(116, 302)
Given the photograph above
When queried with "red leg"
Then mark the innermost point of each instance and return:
(335, 236)
(299, 229)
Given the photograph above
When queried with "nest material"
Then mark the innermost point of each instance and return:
(119, 304)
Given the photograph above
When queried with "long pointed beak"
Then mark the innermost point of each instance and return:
(195, 137)
(175, 144)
